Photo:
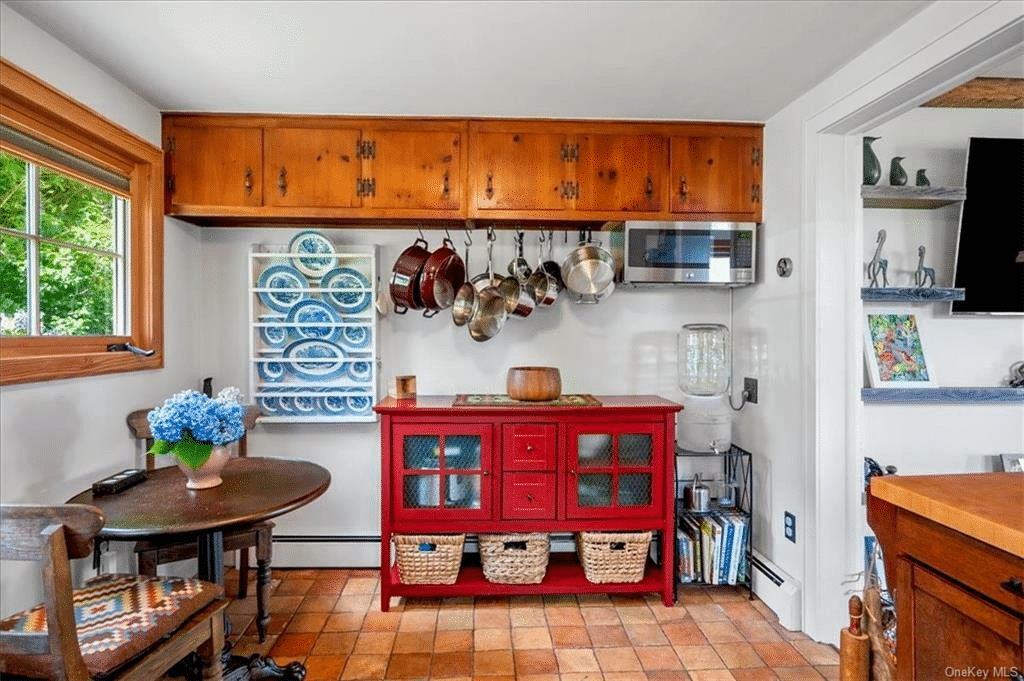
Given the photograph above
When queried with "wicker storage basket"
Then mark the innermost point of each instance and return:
(428, 558)
(613, 556)
(515, 558)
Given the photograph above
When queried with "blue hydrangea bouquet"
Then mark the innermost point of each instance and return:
(189, 424)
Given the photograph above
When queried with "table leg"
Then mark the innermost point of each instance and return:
(210, 552)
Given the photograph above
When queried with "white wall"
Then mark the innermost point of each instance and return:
(57, 437)
(961, 351)
(625, 344)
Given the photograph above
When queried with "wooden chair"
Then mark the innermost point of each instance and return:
(118, 627)
(151, 553)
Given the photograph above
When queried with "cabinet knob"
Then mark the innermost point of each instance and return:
(485, 473)
(572, 471)
(529, 448)
(1014, 586)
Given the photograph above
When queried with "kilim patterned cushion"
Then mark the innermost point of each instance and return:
(118, 617)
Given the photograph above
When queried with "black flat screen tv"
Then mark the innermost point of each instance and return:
(989, 262)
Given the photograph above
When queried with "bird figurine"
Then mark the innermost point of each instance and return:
(922, 179)
(897, 175)
(872, 167)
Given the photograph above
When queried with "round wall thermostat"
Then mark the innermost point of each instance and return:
(784, 267)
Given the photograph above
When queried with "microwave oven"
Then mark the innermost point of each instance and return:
(709, 253)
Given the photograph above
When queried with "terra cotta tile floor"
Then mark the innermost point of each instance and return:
(331, 621)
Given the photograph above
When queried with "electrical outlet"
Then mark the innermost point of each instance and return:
(750, 387)
(790, 528)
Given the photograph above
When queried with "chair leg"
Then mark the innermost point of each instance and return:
(147, 563)
(243, 573)
(264, 549)
(210, 651)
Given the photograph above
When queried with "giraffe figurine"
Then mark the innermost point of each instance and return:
(878, 265)
(923, 273)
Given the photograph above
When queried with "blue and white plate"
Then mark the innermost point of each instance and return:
(321, 360)
(313, 313)
(334, 404)
(358, 404)
(287, 284)
(270, 371)
(360, 371)
(348, 301)
(355, 337)
(306, 404)
(316, 253)
(276, 335)
(286, 404)
(269, 405)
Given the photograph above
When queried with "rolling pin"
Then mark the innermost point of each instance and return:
(854, 646)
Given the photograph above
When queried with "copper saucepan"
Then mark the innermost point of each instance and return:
(405, 274)
(443, 273)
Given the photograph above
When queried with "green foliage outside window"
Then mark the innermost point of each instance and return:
(76, 286)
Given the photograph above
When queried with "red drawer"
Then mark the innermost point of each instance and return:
(529, 447)
(528, 496)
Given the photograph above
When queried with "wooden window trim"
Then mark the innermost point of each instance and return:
(37, 109)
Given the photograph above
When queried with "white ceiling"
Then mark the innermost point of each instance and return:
(715, 60)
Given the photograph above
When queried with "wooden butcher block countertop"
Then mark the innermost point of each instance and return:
(986, 506)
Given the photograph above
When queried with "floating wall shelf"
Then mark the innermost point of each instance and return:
(950, 395)
(878, 196)
(911, 295)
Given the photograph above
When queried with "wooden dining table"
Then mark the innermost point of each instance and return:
(254, 489)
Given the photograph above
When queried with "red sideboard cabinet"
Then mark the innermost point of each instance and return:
(525, 468)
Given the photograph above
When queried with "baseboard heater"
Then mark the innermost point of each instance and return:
(778, 590)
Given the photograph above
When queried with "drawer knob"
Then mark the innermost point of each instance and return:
(529, 448)
(1014, 586)
(529, 497)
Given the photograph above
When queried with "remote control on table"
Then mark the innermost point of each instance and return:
(119, 481)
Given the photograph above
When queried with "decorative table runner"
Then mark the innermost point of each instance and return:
(506, 401)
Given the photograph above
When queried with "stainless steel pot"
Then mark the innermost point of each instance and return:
(588, 269)
(542, 287)
(465, 301)
(518, 300)
(697, 497)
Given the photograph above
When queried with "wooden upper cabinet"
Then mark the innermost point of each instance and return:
(715, 174)
(212, 166)
(312, 167)
(518, 170)
(414, 169)
(620, 173)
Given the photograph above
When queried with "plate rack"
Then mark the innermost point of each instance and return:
(313, 333)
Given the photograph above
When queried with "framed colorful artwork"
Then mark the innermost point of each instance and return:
(893, 351)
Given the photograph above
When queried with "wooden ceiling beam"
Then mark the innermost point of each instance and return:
(984, 93)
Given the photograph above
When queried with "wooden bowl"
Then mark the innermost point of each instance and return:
(533, 384)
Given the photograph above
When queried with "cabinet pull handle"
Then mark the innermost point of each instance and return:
(485, 473)
(529, 497)
(445, 188)
(683, 190)
(489, 192)
(572, 471)
(1014, 586)
(650, 187)
(282, 182)
(248, 182)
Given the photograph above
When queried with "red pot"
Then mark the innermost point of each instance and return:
(405, 277)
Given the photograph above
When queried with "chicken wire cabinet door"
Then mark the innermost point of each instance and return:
(442, 472)
(614, 471)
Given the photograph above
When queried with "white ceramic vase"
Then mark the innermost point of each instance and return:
(207, 475)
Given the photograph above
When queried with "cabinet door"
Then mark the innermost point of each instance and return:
(442, 472)
(952, 628)
(614, 471)
(622, 173)
(715, 174)
(214, 165)
(520, 171)
(311, 167)
(414, 169)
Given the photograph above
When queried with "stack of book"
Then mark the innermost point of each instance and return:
(712, 547)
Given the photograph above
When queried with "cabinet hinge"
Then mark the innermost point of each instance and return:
(366, 148)
(755, 193)
(366, 186)
(570, 190)
(172, 144)
(755, 156)
(570, 152)
(170, 184)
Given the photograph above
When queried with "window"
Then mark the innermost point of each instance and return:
(81, 249)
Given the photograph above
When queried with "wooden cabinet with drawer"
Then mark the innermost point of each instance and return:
(956, 564)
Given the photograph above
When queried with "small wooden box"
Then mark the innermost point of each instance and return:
(404, 388)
